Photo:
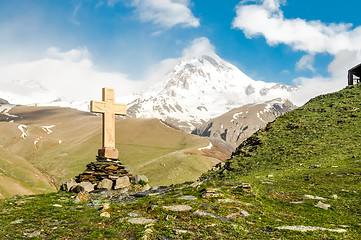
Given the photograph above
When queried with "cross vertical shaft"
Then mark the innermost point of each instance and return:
(108, 108)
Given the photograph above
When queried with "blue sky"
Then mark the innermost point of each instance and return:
(287, 41)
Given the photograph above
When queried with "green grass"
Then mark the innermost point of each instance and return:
(327, 130)
(270, 207)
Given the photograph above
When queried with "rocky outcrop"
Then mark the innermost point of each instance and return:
(3, 101)
(238, 124)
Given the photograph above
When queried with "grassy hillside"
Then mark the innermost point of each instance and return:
(314, 150)
(75, 139)
(326, 131)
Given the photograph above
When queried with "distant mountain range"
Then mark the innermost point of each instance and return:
(200, 88)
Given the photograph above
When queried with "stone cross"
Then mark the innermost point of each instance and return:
(108, 108)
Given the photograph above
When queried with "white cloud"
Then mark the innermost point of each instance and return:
(70, 75)
(73, 55)
(166, 13)
(306, 62)
(265, 18)
(199, 46)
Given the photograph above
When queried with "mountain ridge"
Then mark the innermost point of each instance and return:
(240, 123)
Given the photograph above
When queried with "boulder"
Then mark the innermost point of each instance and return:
(136, 178)
(122, 182)
(81, 197)
(68, 185)
(146, 187)
(77, 189)
(105, 183)
(88, 186)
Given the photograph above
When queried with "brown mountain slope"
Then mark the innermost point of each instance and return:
(237, 125)
(60, 142)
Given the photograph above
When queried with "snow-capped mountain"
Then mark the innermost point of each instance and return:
(197, 89)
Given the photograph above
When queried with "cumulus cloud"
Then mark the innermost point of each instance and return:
(70, 75)
(166, 13)
(265, 18)
(306, 62)
(199, 46)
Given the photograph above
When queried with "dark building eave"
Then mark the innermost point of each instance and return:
(354, 71)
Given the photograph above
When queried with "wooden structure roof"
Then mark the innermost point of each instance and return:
(354, 75)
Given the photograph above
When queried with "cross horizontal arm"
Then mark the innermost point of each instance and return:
(120, 108)
(98, 107)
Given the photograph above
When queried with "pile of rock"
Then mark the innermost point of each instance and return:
(106, 173)
(103, 168)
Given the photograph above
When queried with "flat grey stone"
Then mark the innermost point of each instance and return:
(133, 214)
(245, 213)
(180, 231)
(140, 220)
(202, 213)
(17, 221)
(302, 228)
(32, 234)
(187, 198)
(313, 197)
(178, 208)
(322, 205)
(227, 200)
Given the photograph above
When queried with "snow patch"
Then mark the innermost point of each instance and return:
(60, 142)
(258, 116)
(235, 116)
(47, 129)
(5, 108)
(24, 130)
(10, 115)
(36, 142)
(208, 147)
(302, 228)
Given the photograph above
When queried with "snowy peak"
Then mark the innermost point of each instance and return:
(197, 89)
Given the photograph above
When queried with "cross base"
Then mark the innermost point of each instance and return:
(108, 153)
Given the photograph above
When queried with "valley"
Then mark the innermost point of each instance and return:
(45, 146)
